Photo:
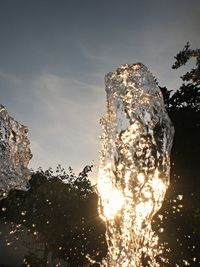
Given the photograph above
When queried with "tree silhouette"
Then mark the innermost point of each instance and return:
(60, 213)
(182, 224)
(183, 57)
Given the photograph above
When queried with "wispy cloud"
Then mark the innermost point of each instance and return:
(66, 126)
(9, 77)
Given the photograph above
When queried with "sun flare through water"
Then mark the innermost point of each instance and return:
(134, 166)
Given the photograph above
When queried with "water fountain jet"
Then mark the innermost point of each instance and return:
(15, 154)
(134, 165)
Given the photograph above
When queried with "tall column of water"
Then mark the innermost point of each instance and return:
(134, 165)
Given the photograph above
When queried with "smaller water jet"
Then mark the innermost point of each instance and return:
(15, 154)
(134, 165)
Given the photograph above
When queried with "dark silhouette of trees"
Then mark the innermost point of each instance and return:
(182, 217)
(59, 212)
(182, 58)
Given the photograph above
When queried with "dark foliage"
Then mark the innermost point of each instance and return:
(60, 214)
(183, 57)
(182, 217)
(185, 98)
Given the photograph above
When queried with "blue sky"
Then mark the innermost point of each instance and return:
(54, 55)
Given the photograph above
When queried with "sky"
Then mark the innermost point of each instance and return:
(54, 56)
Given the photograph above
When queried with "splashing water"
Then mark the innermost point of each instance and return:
(15, 154)
(134, 165)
